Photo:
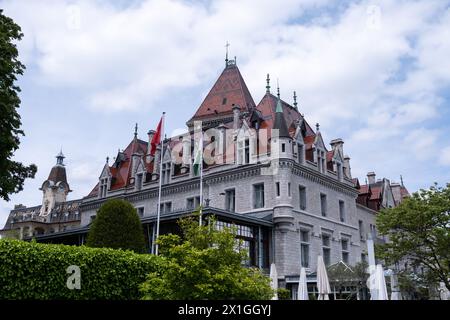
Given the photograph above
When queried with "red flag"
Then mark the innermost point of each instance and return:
(156, 138)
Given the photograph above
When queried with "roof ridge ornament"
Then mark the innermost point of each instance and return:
(60, 158)
(226, 53)
(317, 127)
(278, 89)
(295, 100)
(135, 130)
(268, 84)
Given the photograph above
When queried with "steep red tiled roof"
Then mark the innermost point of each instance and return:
(230, 88)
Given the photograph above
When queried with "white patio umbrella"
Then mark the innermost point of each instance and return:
(381, 283)
(395, 290)
(302, 293)
(274, 280)
(323, 286)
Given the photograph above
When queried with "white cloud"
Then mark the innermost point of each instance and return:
(444, 158)
(375, 82)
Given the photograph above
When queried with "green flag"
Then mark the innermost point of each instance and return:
(198, 159)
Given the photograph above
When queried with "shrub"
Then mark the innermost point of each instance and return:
(204, 264)
(30, 270)
(117, 226)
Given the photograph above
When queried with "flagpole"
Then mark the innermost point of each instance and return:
(158, 210)
(201, 178)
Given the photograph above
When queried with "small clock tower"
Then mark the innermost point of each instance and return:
(55, 188)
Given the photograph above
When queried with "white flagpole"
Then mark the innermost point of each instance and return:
(158, 210)
(201, 177)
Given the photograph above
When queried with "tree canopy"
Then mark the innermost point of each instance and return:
(117, 225)
(418, 230)
(12, 173)
(204, 263)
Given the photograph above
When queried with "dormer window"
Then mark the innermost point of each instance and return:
(339, 171)
(300, 153)
(139, 179)
(166, 171)
(103, 187)
(321, 161)
(244, 151)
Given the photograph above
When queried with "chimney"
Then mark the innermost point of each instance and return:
(371, 177)
(236, 113)
(347, 169)
(337, 144)
(396, 191)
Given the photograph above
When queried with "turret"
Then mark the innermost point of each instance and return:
(55, 188)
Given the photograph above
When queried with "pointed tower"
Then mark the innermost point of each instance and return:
(55, 188)
(283, 218)
(281, 141)
(229, 90)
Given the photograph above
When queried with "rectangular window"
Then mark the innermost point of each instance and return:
(277, 187)
(304, 248)
(247, 151)
(363, 257)
(230, 196)
(342, 211)
(258, 196)
(139, 181)
(283, 147)
(302, 197)
(345, 250)
(339, 171)
(140, 211)
(326, 249)
(361, 229)
(323, 204)
(289, 189)
(300, 153)
(165, 207)
(192, 203)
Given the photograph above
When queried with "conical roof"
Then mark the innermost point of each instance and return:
(229, 90)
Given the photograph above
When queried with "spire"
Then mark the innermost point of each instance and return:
(280, 121)
(278, 89)
(295, 100)
(226, 54)
(268, 84)
(60, 158)
(135, 131)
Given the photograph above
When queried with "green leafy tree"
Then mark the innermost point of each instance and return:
(418, 230)
(12, 173)
(117, 225)
(204, 263)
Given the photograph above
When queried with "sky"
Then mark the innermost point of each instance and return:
(374, 73)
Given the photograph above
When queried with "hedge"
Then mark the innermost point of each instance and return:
(30, 270)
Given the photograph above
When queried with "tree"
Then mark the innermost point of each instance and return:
(204, 263)
(418, 230)
(341, 275)
(117, 225)
(12, 173)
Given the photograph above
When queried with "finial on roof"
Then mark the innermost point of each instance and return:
(401, 180)
(107, 160)
(295, 100)
(226, 54)
(268, 84)
(135, 130)
(60, 158)
(317, 126)
(278, 88)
